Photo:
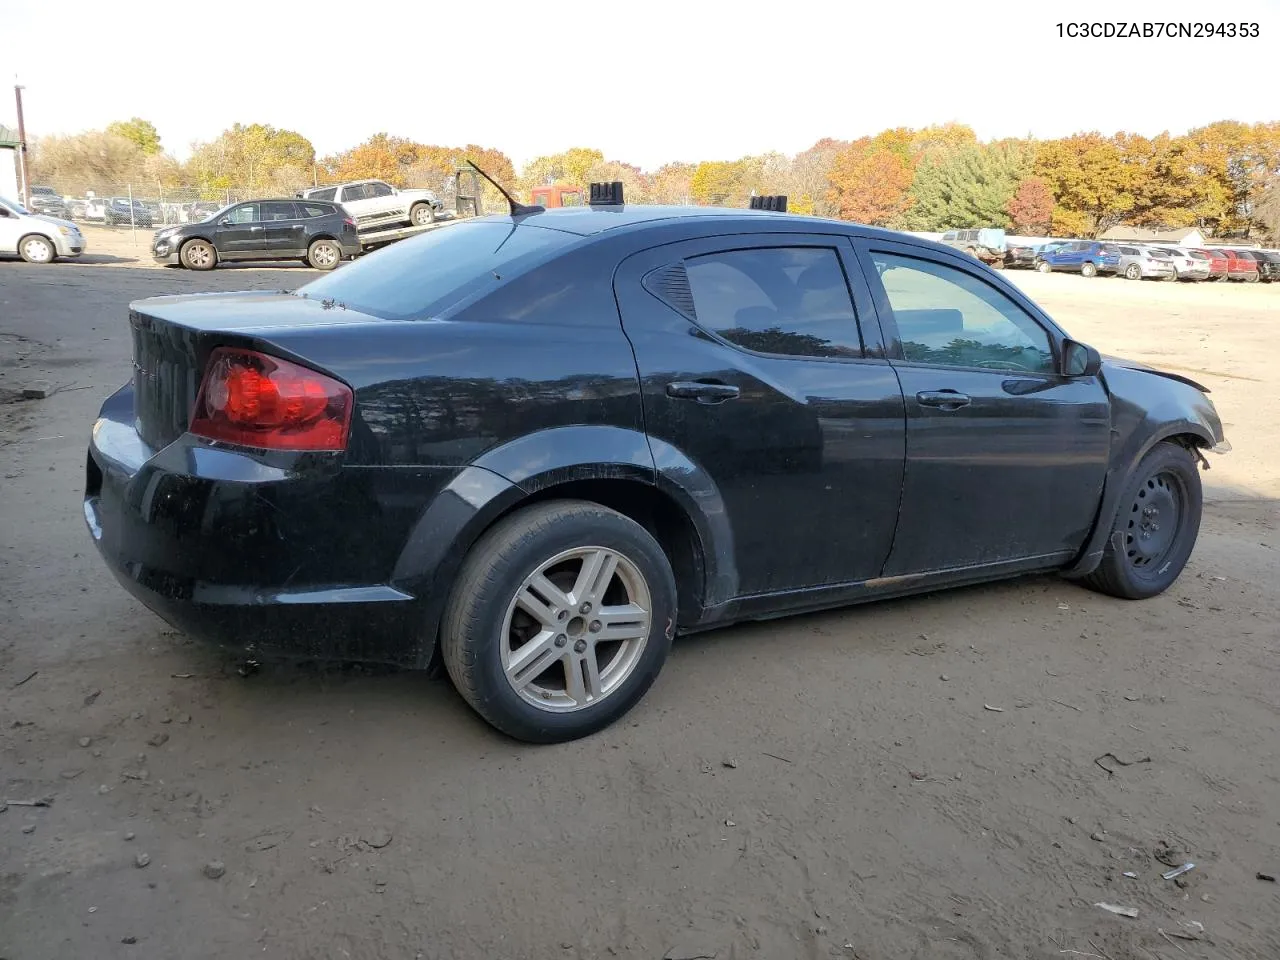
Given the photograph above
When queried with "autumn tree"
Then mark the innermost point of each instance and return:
(672, 183)
(256, 158)
(966, 186)
(635, 185)
(1030, 209)
(869, 183)
(1093, 186)
(96, 160)
(725, 183)
(138, 131)
(1267, 209)
(571, 167)
(381, 157)
(810, 178)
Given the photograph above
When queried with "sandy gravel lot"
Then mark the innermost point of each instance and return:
(823, 787)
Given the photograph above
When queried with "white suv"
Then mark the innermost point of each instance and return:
(36, 238)
(374, 203)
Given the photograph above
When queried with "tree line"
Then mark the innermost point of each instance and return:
(1223, 178)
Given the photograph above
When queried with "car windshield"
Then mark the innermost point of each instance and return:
(405, 280)
(14, 205)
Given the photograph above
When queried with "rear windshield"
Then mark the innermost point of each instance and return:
(404, 280)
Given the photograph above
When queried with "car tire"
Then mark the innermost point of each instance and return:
(1043, 267)
(324, 254)
(198, 255)
(1143, 558)
(1133, 272)
(421, 214)
(37, 248)
(1088, 270)
(489, 626)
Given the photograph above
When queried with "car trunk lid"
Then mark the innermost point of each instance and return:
(173, 336)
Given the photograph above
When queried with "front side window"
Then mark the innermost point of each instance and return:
(245, 213)
(784, 300)
(377, 189)
(947, 317)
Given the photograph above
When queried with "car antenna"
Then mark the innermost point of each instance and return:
(518, 209)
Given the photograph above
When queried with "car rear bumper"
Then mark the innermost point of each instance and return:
(284, 558)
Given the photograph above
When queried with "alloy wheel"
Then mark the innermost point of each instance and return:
(575, 629)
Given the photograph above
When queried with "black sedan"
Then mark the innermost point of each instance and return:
(1020, 255)
(318, 233)
(536, 447)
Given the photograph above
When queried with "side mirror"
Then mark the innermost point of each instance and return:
(1080, 360)
(224, 222)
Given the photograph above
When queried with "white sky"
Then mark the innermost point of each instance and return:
(646, 82)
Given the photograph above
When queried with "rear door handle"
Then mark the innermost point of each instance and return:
(943, 399)
(702, 392)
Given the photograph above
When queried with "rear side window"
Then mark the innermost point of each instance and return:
(1129, 251)
(405, 280)
(328, 193)
(278, 210)
(355, 192)
(785, 300)
(315, 210)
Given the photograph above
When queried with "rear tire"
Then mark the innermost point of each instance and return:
(37, 249)
(198, 255)
(1088, 270)
(1156, 525)
(324, 254)
(420, 214)
(1133, 272)
(574, 682)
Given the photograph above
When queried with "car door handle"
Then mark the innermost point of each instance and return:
(943, 399)
(703, 392)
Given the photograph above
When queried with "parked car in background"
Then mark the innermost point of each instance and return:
(202, 210)
(1088, 258)
(1268, 263)
(1189, 264)
(35, 237)
(1240, 267)
(1020, 255)
(987, 244)
(45, 201)
(375, 203)
(415, 455)
(1145, 263)
(317, 233)
(1218, 263)
(120, 211)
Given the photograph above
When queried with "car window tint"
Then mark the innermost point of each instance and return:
(949, 317)
(328, 193)
(315, 210)
(1129, 251)
(786, 300)
(408, 278)
(377, 190)
(245, 213)
(355, 192)
(278, 210)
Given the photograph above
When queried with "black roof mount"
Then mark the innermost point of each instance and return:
(607, 194)
(777, 203)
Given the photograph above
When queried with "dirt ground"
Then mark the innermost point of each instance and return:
(833, 786)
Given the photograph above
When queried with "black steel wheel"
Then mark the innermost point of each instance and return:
(1155, 526)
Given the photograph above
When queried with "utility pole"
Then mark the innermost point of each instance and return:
(22, 147)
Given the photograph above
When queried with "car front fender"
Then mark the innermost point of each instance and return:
(1147, 407)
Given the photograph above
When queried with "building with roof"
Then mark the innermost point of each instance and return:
(8, 162)
(1184, 237)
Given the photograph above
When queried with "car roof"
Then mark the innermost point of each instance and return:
(592, 221)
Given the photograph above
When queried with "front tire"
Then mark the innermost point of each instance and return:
(1155, 526)
(198, 255)
(1043, 267)
(324, 255)
(1088, 270)
(559, 621)
(37, 249)
(420, 214)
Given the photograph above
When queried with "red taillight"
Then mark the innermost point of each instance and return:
(254, 400)
(350, 223)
